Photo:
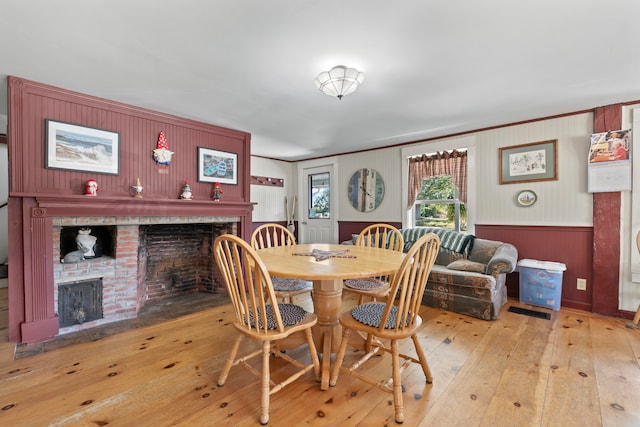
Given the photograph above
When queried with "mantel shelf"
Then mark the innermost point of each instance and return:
(78, 205)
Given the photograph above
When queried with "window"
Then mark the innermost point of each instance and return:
(438, 189)
(438, 205)
(319, 196)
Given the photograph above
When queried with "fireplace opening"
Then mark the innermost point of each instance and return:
(79, 243)
(79, 302)
(177, 259)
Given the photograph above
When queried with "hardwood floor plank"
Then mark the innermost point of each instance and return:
(519, 396)
(616, 370)
(477, 381)
(577, 369)
(572, 379)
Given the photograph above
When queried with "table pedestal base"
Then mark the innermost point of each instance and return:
(327, 300)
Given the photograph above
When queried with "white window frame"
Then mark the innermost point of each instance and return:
(468, 142)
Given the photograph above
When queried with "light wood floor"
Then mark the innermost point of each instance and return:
(576, 369)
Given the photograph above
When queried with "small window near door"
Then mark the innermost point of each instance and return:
(319, 196)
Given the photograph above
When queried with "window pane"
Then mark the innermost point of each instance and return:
(436, 205)
(319, 196)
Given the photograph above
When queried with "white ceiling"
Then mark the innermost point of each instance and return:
(433, 67)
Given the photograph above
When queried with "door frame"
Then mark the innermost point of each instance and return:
(331, 164)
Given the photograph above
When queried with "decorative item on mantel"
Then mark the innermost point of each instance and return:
(91, 188)
(186, 191)
(138, 188)
(162, 154)
(216, 195)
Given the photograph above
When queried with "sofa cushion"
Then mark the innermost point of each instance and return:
(483, 250)
(467, 265)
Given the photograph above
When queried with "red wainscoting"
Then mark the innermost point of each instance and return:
(572, 246)
(347, 228)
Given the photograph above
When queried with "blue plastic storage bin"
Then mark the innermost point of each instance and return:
(541, 283)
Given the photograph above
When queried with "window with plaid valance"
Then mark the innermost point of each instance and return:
(447, 163)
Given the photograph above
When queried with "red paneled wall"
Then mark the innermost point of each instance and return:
(572, 246)
(37, 194)
(32, 103)
(348, 228)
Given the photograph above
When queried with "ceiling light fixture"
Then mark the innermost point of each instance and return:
(339, 81)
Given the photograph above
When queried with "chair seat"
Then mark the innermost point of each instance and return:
(290, 314)
(283, 284)
(371, 314)
(366, 284)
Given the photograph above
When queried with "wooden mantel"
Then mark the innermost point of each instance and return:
(129, 206)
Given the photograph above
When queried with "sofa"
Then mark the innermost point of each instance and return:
(469, 273)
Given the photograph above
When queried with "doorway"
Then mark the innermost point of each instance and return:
(318, 215)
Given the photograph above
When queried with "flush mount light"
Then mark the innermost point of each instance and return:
(339, 81)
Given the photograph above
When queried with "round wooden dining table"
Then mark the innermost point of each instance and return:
(305, 261)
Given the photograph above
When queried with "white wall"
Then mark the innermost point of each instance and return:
(270, 200)
(564, 202)
(629, 294)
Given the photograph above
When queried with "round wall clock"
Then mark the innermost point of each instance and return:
(365, 190)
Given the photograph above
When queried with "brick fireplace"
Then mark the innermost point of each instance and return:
(153, 258)
(125, 273)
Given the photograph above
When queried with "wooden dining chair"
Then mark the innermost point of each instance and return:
(268, 236)
(395, 320)
(380, 236)
(259, 317)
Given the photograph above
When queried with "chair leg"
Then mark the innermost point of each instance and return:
(231, 358)
(313, 352)
(397, 383)
(636, 318)
(266, 386)
(422, 358)
(368, 343)
(339, 357)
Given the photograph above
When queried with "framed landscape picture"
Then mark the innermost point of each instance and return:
(217, 166)
(536, 161)
(80, 148)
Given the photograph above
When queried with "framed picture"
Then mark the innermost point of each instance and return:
(80, 148)
(217, 166)
(536, 161)
(526, 198)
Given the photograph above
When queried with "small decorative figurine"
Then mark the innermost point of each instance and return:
(161, 154)
(91, 188)
(217, 192)
(86, 242)
(186, 192)
(138, 188)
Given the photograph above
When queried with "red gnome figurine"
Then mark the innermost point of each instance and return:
(217, 192)
(91, 188)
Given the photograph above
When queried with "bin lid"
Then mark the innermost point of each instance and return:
(542, 265)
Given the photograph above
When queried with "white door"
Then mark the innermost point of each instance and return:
(317, 216)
